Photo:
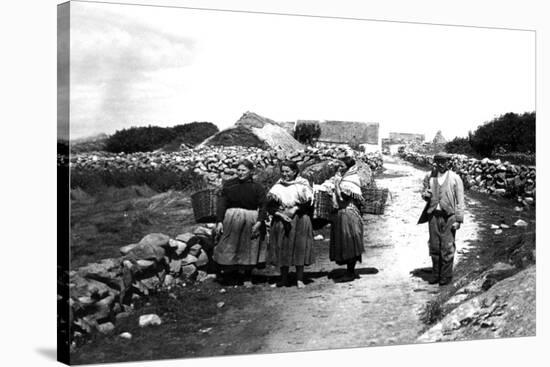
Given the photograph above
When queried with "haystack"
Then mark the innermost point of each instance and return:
(253, 130)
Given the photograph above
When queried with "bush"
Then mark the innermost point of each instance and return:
(139, 139)
(459, 146)
(195, 132)
(508, 133)
(307, 132)
(149, 138)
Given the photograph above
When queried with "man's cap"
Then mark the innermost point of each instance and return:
(442, 157)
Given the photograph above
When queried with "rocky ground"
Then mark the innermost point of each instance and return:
(492, 294)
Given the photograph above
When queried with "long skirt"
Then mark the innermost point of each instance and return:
(236, 245)
(291, 244)
(346, 236)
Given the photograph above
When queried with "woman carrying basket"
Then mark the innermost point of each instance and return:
(346, 237)
(240, 224)
(291, 237)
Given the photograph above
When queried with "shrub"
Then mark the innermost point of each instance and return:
(508, 133)
(307, 132)
(139, 139)
(195, 132)
(149, 138)
(459, 146)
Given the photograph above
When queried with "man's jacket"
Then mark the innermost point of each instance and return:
(449, 196)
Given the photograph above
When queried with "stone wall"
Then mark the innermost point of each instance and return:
(488, 176)
(214, 163)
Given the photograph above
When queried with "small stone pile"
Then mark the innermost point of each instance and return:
(214, 163)
(489, 176)
(102, 293)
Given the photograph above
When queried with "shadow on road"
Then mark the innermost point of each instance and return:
(233, 279)
(423, 273)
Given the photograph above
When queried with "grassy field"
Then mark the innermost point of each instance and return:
(102, 223)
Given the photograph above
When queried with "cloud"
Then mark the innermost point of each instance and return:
(114, 57)
(63, 71)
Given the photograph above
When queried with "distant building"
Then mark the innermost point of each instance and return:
(351, 132)
(407, 137)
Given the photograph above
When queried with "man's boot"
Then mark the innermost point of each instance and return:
(435, 270)
(446, 271)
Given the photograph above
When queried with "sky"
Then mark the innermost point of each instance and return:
(140, 65)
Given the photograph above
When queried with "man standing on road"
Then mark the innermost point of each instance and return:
(443, 192)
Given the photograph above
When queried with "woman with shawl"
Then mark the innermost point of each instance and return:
(346, 237)
(291, 237)
(240, 224)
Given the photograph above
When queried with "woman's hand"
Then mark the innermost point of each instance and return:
(291, 212)
(283, 216)
(456, 225)
(219, 229)
(256, 229)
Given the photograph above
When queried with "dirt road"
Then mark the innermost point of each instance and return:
(380, 308)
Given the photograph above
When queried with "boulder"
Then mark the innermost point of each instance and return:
(126, 335)
(106, 328)
(520, 223)
(145, 264)
(189, 259)
(169, 281)
(148, 320)
(202, 260)
(125, 250)
(146, 251)
(179, 247)
(203, 231)
(155, 239)
(175, 266)
(188, 272)
(195, 250)
(189, 239)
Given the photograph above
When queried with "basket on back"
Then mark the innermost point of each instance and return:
(375, 200)
(322, 209)
(205, 204)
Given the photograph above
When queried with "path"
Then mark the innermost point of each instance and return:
(380, 308)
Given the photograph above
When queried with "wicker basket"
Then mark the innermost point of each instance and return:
(375, 200)
(322, 209)
(322, 205)
(205, 204)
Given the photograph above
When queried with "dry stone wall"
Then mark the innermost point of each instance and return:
(214, 163)
(489, 176)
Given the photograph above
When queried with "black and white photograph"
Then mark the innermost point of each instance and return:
(235, 181)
